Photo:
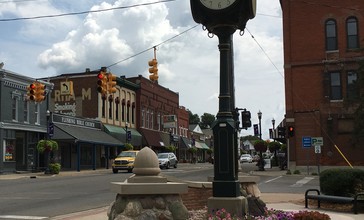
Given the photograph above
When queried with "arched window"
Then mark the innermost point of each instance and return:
(331, 35)
(352, 33)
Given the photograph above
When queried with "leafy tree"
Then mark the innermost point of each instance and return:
(207, 120)
(194, 118)
(274, 146)
(249, 138)
(260, 146)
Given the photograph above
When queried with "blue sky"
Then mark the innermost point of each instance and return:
(188, 64)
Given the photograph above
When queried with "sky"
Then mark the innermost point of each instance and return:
(123, 40)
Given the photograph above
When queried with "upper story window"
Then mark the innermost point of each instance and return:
(352, 87)
(26, 111)
(37, 113)
(335, 86)
(331, 35)
(14, 111)
(352, 33)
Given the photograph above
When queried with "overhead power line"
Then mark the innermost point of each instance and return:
(84, 12)
(157, 45)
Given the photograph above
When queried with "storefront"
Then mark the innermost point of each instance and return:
(152, 139)
(125, 135)
(82, 143)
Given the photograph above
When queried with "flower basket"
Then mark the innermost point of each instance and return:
(47, 146)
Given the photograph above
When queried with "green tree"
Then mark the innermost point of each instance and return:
(206, 120)
(194, 118)
(260, 146)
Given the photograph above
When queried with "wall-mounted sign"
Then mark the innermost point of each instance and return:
(169, 121)
(66, 88)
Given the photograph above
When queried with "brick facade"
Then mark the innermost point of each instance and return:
(317, 103)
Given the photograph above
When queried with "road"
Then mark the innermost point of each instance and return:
(48, 196)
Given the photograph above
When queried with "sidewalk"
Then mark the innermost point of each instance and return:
(280, 201)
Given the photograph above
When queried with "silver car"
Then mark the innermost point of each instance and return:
(167, 160)
(246, 158)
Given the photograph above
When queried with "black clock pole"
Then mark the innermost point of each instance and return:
(225, 183)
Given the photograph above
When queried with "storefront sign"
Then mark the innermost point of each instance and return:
(76, 121)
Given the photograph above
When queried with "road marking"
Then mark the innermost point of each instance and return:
(301, 182)
(273, 179)
(21, 217)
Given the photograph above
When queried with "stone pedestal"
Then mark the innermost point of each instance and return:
(146, 195)
(236, 206)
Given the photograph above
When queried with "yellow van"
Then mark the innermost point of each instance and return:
(124, 161)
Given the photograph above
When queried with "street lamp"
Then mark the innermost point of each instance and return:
(260, 124)
(126, 132)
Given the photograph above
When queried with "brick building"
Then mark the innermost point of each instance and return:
(154, 103)
(22, 123)
(323, 48)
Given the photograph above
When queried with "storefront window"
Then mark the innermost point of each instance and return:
(9, 149)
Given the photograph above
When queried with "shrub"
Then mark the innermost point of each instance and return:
(342, 182)
(129, 146)
(170, 148)
(288, 172)
(296, 172)
(54, 168)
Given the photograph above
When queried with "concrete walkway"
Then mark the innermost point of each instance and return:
(279, 201)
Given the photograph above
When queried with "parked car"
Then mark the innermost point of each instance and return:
(124, 161)
(246, 158)
(167, 160)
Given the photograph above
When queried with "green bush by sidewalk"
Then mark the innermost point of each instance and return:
(342, 181)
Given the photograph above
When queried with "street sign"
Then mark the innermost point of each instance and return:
(128, 135)
(306, 142)
(51, 129)
(318, 149)
(317, 141)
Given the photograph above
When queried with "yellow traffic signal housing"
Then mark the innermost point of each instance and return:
(102, 82)
(153, 69)
(153, 77)
(31, 92)
(40, 92)
(111, 83)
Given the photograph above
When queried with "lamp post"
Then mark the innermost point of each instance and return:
(47, 154)
(273, 133)
(260, 124)
(126, 132)
(273, 122)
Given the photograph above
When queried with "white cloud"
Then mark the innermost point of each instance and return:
(188, 64)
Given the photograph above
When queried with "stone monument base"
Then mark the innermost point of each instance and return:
(236, 206)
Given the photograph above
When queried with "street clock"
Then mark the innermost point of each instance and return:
(216, 13)
(217, 4)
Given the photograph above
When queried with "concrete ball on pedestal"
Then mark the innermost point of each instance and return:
(146, 163)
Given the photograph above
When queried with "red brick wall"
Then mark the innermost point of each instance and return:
(306, 69)
(196, 198)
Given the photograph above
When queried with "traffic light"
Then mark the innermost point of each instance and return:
(31, 92)
(111, 83)
(40, 94)
(256, 130)
(245, 119)
(153, 69)
(282, 132)
(102, 81)
(290, 131)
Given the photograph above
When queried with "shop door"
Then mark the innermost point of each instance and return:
(20, 151)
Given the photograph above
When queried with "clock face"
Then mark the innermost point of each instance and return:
(217, 4)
